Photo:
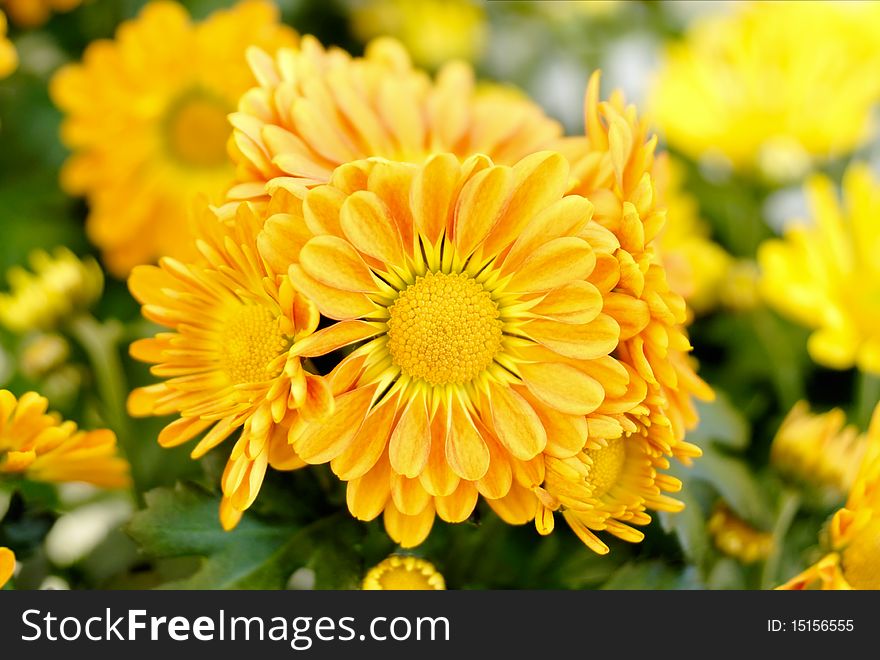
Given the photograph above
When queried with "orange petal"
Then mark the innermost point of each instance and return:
(334, 262)
(499, 477)
(334, 337)
(368, 445)
(325, 440)
(480, 203)
(581, 341)
(466, 451)
(554, 264)
(438, 477)
(575, 302)
(408, 531)
(565, 217)
(562, 387)
(331, 302)
(368, 495)
(517, 507)
(458, 506)
(367, 223)
(516, 424)
(408, 495)
(410, 441)
(432, 191)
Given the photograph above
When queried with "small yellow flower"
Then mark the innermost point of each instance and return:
(8, 54)
(695, 265)
(7, 565)
(740, 288)
(33, 13)
(42, 447)
(736, 538)
(433, 31)
(60, 286)
(43, 354)
(403, 573)
(826, 275)
(818, 449)
(854, 560)
(751, 86)
(317, 108)
(146, 119)
(228, 360)
(480, 347)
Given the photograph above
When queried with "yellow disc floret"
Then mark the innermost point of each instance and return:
(606, 466)
(399, 573)
(251, 341)
(197, 131)
(444, 329)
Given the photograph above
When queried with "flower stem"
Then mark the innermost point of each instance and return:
(789, 504)
(100, 341)
(867, 397)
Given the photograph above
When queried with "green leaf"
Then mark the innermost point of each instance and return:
(721, 423)
(689, 526)
(653, 574)
(258, 554)
(737, 484)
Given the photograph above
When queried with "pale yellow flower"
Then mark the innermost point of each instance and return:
(825, 275)
(433, 31)
(736, 538)
(770, 86)
(60, 286)
(854, 533)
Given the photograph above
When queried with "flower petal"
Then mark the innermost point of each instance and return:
(367, 223)
(480, 204)
(334, 262)
(554, 264)
(466, 450)
(582, 341)
(410, 441)
(516, 424)
(562, 387)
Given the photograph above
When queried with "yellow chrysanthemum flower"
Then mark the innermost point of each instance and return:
(33, 13)
(736, 538)
(8, 55)
(826, 275)
(818, 449)
(854, 560)
(613, 166)
(147, 121)
(772, 85)
(472, 293)
(316, 109)
(399, 573)
(229, 360)
(60, 286)
(7, 565)
(42, 447)
(696, 266)
(433, 31)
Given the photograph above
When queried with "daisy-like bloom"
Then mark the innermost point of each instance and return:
(317, 108)
(7, 565)
(749, 86)
(60, 286)
(8, 55)
(433, 31)
(146, 118)
(696, 266)
(227, 359)
(42, 447)
(403, 573)
(613, 166)
(826, 275)
(818, 449)
(33, 13)
(854, 532)
(736, 538)
(471, 294)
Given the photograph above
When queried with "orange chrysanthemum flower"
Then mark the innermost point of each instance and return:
(472, 294)
(316, 109)
(229, 360)
(146, 118)
(613, 166)
(42, 447)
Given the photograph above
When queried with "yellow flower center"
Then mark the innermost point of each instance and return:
(444, 329)
(197, 130)
(861, 558)
(607, 464)
(251, 339)
(402, 579)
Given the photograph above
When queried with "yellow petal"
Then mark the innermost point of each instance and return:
(333, 337)
(408, 495)
(458, 506)
(438, 478)
(499, 477)
(408, 531)
(565, 217)
(432, 191)
(517, 507)
(575, 302)
(368, 445)
(368, 495)
(480, 204)
(330, 301)
(325, 440)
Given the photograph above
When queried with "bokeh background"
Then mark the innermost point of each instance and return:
(749, 110)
